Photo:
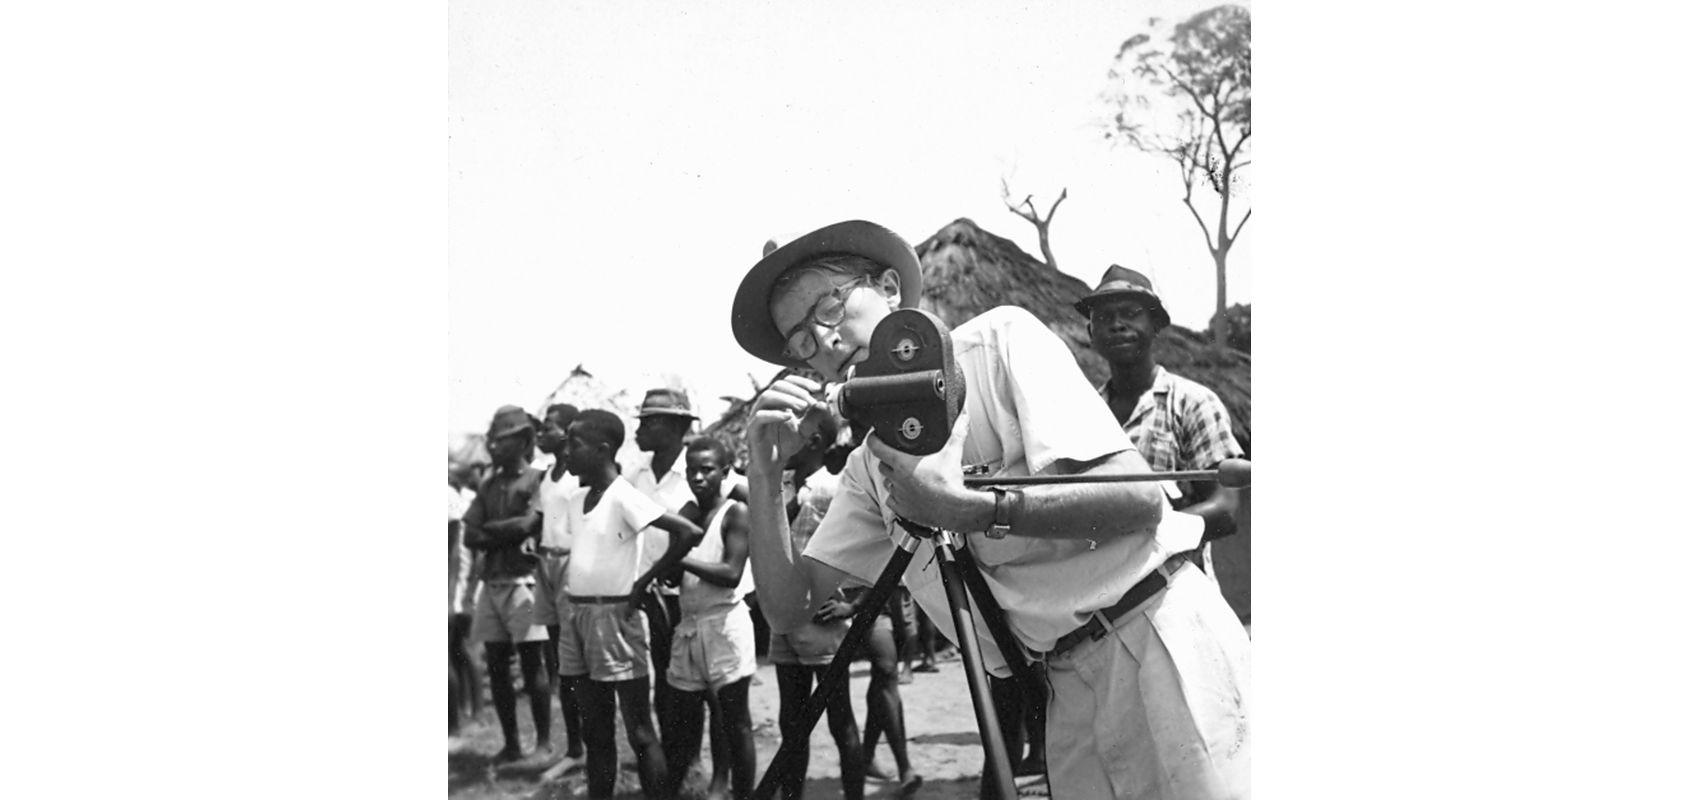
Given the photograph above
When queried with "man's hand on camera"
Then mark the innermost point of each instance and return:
(772, 434)
(928, 489)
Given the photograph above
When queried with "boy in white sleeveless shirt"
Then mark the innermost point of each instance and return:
(714, 645)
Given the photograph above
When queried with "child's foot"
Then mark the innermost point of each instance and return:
(911, 785)
(874, 772)
(927, 666)
(509, 753)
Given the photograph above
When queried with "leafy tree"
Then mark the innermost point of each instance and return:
(1188, 98)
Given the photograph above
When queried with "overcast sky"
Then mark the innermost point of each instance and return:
(615, 167)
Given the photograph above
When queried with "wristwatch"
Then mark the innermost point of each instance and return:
(1000, 515)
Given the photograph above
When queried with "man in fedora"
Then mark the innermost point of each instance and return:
(1175, 423)
(664, 420)
(1149, 669)
(500, 525)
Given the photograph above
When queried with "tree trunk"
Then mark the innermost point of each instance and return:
(1219, 321)
(1045, 246)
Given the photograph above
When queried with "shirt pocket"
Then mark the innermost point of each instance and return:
(1160, 448)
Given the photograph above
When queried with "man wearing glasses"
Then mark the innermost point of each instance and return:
(1175, 423)
(1148, 666)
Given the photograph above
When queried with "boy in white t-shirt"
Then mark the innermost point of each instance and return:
(554, 548)
(604, 647)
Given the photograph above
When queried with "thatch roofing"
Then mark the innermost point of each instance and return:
(969, 271)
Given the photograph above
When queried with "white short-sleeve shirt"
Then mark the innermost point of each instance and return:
(1029, 406)
(607, 545)
(672, 491)
(552, 500)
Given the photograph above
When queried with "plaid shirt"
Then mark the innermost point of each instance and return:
(1179, 424)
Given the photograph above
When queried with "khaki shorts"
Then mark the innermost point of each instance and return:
(1156, 709)
(551, 589)
(607, 641)
(713, 650)
(810, 645)
(504, 614)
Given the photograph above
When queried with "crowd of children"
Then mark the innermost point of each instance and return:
(633, 596)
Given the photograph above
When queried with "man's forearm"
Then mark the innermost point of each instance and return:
(1218, 512)
(499, 533)
(1087, 510)
(781, 585)
(718, 573)
(677, 546)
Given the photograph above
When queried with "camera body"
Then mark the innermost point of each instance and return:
(909, 390)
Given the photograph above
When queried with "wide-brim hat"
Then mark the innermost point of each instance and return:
(752, 321)
(665, 403)
(510, 420)
(1121, 282)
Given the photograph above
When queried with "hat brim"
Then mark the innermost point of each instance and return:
(666, 412)
(509, 431)
(1084, 305)
(752, 321)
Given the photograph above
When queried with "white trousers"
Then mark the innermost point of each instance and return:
(1156, 709)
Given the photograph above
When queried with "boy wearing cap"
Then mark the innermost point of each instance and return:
(714, 646)
(604, 635)
(500, 527)
(1175, 423)
(554, 549)
(1088, 574)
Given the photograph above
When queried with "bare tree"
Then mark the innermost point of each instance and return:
(1188, 98)
(1031, 214)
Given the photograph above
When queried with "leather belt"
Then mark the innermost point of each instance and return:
(603, 599)
(1105, 618)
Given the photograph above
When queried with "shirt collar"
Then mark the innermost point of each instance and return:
(1162, 384)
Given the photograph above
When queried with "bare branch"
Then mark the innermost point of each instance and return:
(1236, 236)
(1244, 135)
(1053, 211)
(1187, 179)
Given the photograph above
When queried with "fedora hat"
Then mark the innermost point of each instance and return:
(510, 420)
(665, 403)
(1120, 282)
(752, 322)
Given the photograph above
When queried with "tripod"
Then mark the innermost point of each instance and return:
(962, 578)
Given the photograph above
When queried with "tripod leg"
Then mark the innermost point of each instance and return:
(979, 686)
(795, 742)
(996, 623)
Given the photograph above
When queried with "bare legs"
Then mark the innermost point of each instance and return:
(795, 682)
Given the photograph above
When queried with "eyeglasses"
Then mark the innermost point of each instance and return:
(800, 342)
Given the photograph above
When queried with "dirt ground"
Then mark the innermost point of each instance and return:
(944, 746)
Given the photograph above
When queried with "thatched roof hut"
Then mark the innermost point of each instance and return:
(968, 271)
